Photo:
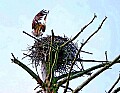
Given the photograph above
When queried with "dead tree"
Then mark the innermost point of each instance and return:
(58, 56)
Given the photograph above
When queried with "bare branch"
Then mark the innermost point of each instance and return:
(79, 73)
(67, 84)
(114, 84)
(96, 74)
(116, 90)
(93, 33)
(36, 77)
(30, 36)
(68, 88)
(86, 52)
(106, 56)
(82, 29)
(85, 60)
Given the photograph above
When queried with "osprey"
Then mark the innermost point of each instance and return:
(39, 23)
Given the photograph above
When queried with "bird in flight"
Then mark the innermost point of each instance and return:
(39, 23)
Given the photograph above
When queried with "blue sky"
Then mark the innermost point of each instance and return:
(65, 17)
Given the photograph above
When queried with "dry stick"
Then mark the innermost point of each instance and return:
(26, 55)
(36, 77)
(116, 90)
(31, 36)
(83, 60)
(67, 84)
(91, 61)
(86, 52)
(82, 29)
(106, 56)
(114, 84)
(68, 88)
(96, 74)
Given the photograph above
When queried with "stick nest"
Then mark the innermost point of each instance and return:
(39, 53)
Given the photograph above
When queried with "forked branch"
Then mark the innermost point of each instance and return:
(96, 74)
(80, 73)
(67, 83)
(36, 77)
